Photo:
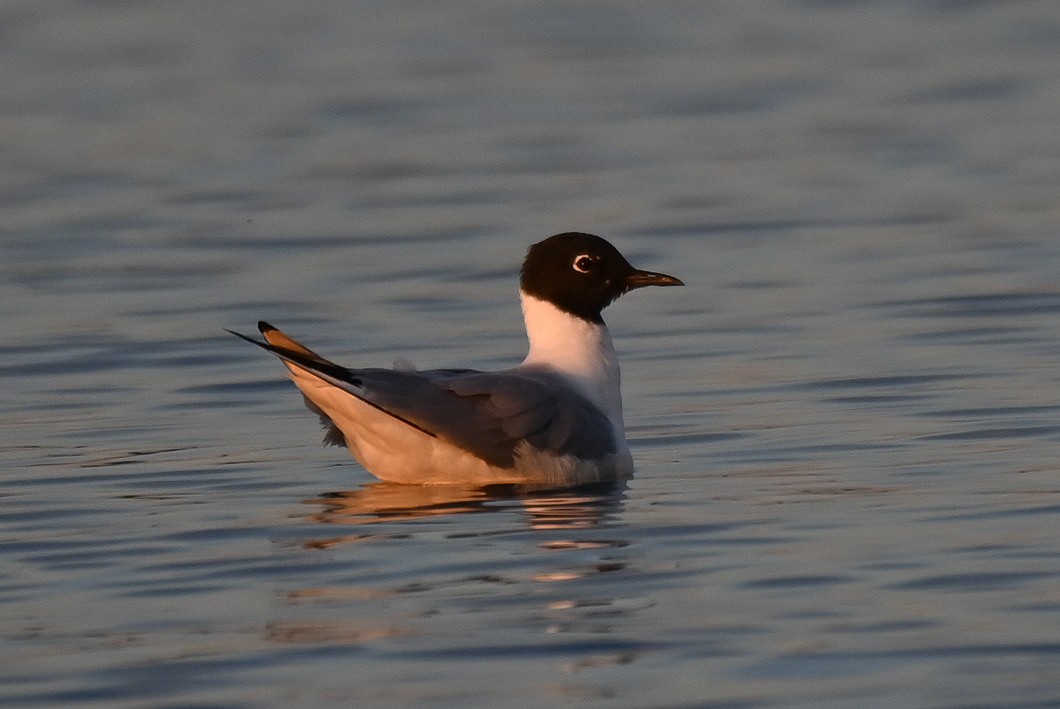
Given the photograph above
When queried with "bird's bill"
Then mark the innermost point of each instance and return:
(639, 279)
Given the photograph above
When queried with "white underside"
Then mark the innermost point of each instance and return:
(396, 452)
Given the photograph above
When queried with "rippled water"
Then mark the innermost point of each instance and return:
(846, 425)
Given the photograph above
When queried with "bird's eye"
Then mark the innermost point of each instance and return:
(583, 264)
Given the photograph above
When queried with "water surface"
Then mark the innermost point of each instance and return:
(846, 425)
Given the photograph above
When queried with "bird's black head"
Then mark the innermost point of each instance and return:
(582, 274)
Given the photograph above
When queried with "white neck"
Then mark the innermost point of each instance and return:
(581, 351)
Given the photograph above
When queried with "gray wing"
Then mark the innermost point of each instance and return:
(490, 413)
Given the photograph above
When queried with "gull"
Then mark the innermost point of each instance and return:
(555, 420)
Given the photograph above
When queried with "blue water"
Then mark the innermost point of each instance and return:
(845, 425)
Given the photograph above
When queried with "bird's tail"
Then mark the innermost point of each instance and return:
(293, 352)
(301, 359)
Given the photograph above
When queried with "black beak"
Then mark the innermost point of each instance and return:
(639, 279)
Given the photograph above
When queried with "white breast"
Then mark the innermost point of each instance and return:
(579, 350)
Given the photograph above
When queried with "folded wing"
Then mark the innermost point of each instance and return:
(489, 414)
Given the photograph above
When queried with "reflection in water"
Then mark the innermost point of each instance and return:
(383, 601)
(578, 508)
(329, 632)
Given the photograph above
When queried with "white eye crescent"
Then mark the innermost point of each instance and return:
(583, 263)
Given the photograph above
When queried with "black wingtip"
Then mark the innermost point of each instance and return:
(249, 339)
(264, 327)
